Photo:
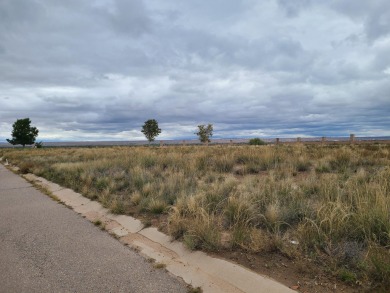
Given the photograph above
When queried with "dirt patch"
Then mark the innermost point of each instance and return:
(300, 275)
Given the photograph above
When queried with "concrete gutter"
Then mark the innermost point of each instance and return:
(196, 268)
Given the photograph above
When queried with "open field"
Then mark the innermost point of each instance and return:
(236, 141)
(327, 205)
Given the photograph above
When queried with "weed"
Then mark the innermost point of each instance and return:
(135, 198)
(157, 206)
(346, 276)
(194, 290)
(146, 222)
(379, 266)
(117, 207)
(26, 167)
(191, 241)
(323, 168)
(302, 165)
(97, 222)
(159, 265)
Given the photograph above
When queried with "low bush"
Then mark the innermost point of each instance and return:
(256, 141)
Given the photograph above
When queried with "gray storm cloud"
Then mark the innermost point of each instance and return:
(97, 70)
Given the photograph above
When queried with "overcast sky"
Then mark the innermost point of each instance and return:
(96, 70)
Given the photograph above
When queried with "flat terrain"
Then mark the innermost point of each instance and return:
(45, 247)
(316, 215)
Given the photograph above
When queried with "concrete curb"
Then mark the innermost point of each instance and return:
(195, 268)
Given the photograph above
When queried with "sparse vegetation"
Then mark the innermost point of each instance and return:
(331, 201)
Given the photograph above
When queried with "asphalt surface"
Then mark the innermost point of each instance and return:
(46, 247)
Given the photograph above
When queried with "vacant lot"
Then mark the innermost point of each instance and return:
(324, 204)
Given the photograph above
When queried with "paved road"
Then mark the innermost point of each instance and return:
(46, 247)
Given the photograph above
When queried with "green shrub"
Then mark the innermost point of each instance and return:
(39, 145)
(256, 141)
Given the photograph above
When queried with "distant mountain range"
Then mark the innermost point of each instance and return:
(194, 141)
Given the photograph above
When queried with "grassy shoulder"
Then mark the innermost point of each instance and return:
(327, 205)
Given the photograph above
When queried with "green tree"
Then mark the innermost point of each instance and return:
(150, 129)
(205, 132)
(23, 133)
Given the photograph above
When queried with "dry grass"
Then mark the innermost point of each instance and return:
(332, 199)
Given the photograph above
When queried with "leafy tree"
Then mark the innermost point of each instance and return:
(205, 132)
(150, 129)
(256, 141)
(23, 133)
